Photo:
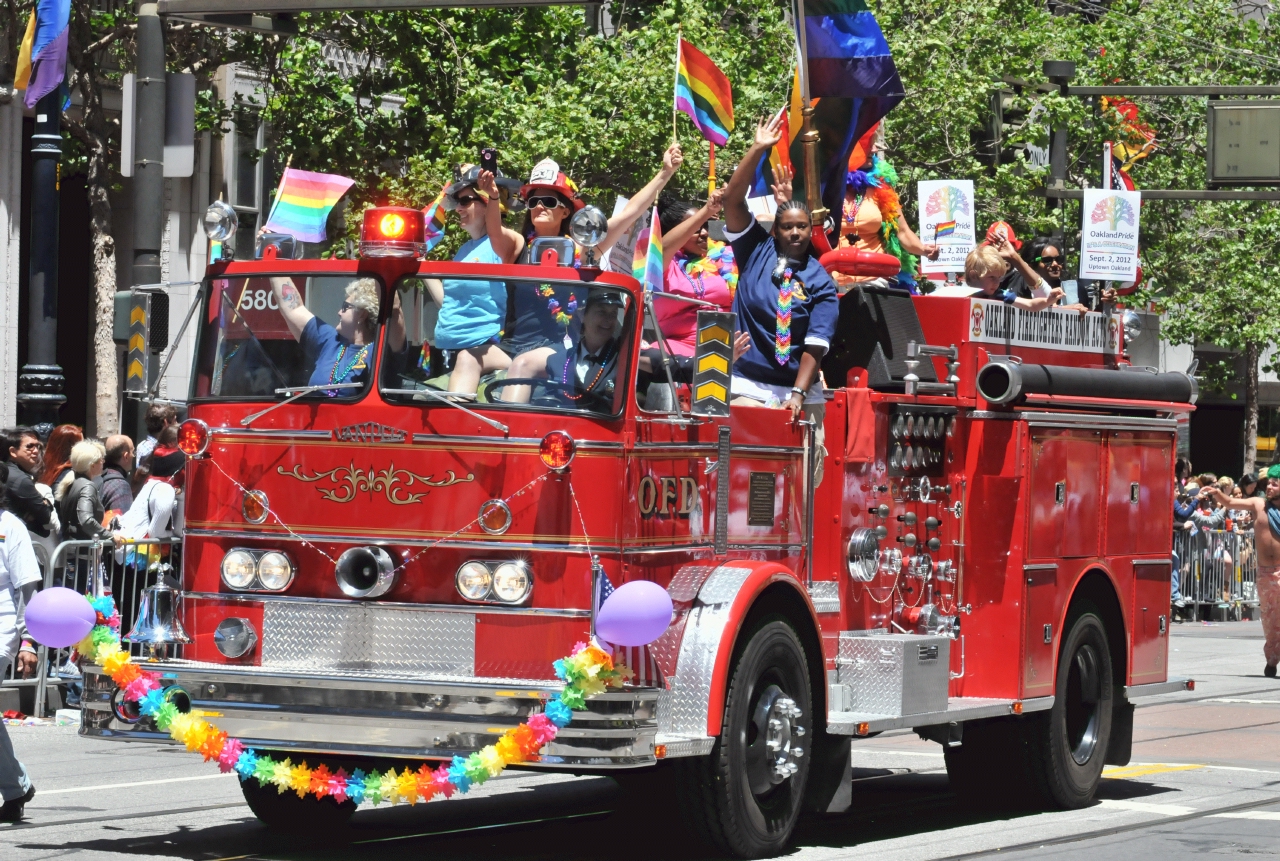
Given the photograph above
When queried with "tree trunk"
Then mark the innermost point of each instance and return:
(107, 394)
(1250, 407)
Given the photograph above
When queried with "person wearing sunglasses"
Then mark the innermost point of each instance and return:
(340, 353)
(472, 311)
(541, 317)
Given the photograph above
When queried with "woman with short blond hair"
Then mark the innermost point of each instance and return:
(79, 504)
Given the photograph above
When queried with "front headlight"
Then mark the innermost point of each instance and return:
(274, 571)
(511, 582)
(474, 581)
(238, 569)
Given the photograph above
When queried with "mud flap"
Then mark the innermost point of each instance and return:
(1120, 748)
(830, 788)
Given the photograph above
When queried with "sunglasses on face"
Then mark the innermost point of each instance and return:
(1049, 261)
(464, 202)
(346, 306)
(547, 202)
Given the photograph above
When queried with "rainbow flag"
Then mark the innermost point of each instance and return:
(704, 93)
(780, 155)
(42, 56)
(944, 229)
(303, 203)
(433, 222)
(646, 263)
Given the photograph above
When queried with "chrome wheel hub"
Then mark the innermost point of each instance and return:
(774, 746)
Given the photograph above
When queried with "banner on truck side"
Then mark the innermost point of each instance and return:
(946, 218)
(1052, 329)
(1109, 234)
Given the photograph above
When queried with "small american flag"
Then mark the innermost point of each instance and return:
(638, 658)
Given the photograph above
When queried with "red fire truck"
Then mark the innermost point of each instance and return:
(380, 571)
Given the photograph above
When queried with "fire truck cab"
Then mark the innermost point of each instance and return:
(380, 570)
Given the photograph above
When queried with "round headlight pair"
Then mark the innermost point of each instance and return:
(503, 582)
(245, 570)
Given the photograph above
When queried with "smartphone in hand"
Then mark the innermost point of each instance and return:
(489, 160)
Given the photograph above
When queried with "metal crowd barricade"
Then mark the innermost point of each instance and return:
(1217, 568)
(94, 567)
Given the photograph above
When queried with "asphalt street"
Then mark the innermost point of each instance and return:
(1205, 779)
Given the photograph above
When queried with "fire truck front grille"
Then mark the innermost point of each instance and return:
(305, 636)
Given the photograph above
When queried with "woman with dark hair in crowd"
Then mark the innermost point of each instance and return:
(540, 318)
(786, 302)
(57, 454)
(697, 267)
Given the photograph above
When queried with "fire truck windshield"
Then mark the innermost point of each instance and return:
(263, 335)
(511, 344)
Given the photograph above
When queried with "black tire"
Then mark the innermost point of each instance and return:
(287, 812)
(735, 798)
(1067, 745)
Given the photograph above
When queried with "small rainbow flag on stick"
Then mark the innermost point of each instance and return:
(944, 229)
(303, 203)
(646, 263)
(704, 93)
(433, 221)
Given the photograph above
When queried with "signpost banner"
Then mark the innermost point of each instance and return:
(947, 218)
(1109, 234)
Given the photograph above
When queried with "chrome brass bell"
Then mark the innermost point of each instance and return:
(158, 625)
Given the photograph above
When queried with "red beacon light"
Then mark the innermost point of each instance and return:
(392, 231)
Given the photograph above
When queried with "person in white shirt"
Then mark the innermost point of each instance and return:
(155, 512)
(19, 578)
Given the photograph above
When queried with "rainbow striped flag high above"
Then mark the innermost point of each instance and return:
(704, 93)
(42, 56)
(646, 263)
(303, 203)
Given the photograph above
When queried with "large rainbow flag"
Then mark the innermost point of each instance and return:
(42, 56)
(704, 93)
(303, 203)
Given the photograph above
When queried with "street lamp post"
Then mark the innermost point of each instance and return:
(40, 382)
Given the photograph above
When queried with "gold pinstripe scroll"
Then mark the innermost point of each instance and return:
(712, 360)
(136, 363)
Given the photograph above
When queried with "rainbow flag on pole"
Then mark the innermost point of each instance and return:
(303, 203)
(42, 56)
(646, 263)
(704, 93)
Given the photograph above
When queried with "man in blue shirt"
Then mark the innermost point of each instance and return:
(786, 302)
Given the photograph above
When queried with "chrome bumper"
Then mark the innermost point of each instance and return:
(432, 718)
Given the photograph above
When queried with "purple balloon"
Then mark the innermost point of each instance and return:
(635, 614)
(59, 617)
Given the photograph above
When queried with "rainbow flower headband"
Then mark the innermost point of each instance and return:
(586, 672)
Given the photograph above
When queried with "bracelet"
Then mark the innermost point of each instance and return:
(796, 390)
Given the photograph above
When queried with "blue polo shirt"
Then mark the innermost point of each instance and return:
(324, 348)
(813, 318)
(473, 310)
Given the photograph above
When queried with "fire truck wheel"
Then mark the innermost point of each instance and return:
(1068, 744)
(746, 796)
(288, 812)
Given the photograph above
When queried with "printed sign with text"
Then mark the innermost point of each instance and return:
(947, 218)
(1109, 234)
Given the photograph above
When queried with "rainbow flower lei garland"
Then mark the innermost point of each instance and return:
(588, 671)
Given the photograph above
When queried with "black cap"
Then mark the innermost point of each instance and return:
(468, 176)
(605, 297)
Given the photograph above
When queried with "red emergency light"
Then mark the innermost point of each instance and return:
(392, 231)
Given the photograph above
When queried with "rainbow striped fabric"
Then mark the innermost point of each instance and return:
(433, 221)
(303, 203)
(646, 263)
(42, 55)
(704, 93)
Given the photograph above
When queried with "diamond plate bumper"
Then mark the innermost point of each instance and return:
(364, 714)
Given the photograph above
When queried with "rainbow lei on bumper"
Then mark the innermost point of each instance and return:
(588, 671)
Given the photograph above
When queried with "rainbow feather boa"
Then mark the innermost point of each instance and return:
(588, 671)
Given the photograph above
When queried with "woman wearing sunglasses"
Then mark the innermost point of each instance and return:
(472, 311)
(541, 317)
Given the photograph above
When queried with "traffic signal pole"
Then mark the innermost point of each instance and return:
(148, 167)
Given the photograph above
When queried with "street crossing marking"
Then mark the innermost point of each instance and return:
(1145, 770)
(1146, 807)
(1246, 702)
(45, 792)
(1267, 815)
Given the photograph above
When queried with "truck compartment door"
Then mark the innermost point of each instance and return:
(1064, 503)
(1150, 619)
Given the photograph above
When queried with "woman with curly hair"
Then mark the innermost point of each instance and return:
(871, 219)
